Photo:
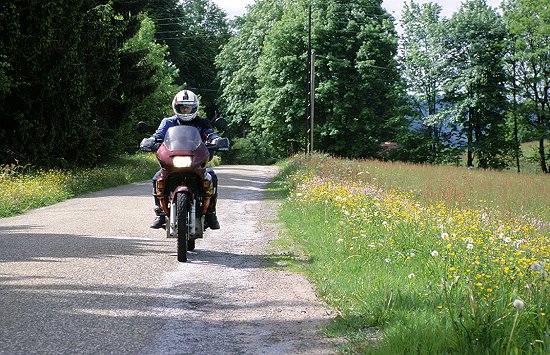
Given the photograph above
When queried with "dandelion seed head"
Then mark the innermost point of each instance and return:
(518, 304)
(538, 266)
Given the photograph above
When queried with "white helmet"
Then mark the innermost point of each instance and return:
(188, 102)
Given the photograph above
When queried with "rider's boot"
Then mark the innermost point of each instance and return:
(210, 218)
(160, 219)
(211, 221)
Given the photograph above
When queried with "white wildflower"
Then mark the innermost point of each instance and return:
(470, 246)
(538, 266)
(411, 275)
(387, 260)
(518, 303)
(435, 253)
(444, 235)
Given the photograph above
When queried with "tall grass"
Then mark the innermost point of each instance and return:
(425, 259)
(23, 188)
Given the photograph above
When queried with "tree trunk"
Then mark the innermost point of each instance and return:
(542, 156)
(470, 136)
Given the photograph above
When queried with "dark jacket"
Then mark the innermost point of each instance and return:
(202, 124)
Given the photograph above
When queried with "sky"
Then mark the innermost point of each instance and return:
(238, 7)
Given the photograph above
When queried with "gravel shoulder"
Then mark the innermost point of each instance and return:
(88, 276)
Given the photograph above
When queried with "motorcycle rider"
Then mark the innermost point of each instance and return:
(186, 105)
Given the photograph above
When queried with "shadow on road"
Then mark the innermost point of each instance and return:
(135, 189)
(20, 247)
(94, 320)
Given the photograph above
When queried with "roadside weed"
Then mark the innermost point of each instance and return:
(433, 278)
(21, 190)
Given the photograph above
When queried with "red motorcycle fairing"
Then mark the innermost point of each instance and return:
(181, 141)
(182, 187)
(200, 156)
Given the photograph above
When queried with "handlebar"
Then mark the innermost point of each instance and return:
(151, 145)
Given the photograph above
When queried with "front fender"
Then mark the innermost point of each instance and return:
(180, 189)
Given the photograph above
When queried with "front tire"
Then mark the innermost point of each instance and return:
(182, 227)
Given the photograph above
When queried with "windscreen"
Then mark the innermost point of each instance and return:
(182, 138)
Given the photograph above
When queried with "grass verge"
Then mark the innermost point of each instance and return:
(421, 272)
(22, 189)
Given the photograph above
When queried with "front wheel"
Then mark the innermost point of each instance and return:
(182, 227)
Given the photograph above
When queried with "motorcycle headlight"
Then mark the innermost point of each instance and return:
(182, 161)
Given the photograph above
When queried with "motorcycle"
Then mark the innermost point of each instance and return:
(183, 156)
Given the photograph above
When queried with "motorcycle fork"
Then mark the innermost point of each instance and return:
(192, 218)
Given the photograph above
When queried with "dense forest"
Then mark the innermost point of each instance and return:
(76, 77)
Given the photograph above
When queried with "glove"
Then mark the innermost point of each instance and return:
(148, 144)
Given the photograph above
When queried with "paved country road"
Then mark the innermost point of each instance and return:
(87, 276)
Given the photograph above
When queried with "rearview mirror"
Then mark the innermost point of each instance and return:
(220, 123)
(143, 127)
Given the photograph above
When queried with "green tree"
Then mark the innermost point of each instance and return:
(237, 63)
(278, 111)
(422, 67)
(356, 96)
(528, 23)
(358, 80)
(67, 83)
(194, 31)
(475, 43)
(148, 90)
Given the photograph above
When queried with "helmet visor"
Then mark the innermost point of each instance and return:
(186, 108)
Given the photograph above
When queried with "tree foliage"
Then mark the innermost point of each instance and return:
(422, 68)
(68, 84)
(475, 65)
(456, 75)
(355, 44)
(358, 80)
(194, 31)
(238, 68)
(75, 78)
(528, 24)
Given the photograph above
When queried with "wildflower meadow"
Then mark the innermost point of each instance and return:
(23, 188)
(410, 274)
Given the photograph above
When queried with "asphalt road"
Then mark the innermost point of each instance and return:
(87, 276)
